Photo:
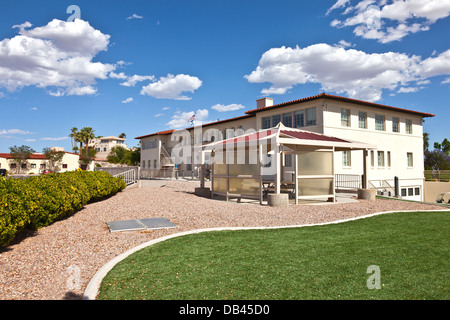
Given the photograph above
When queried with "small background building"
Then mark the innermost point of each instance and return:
(38, 162)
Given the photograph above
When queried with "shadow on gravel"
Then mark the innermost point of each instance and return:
(26, 233)
(70, 295)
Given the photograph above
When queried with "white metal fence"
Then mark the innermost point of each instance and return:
(128, 176)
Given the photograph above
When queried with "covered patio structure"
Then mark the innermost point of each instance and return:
(251, 166)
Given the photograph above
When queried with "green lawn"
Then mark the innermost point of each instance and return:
(318, 262)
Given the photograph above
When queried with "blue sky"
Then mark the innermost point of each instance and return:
(140, 67)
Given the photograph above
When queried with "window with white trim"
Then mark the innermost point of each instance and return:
(346, 158)
(409, 157)
(345, 117)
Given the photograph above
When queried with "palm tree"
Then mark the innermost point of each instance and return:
(87, 134)
(73, 134)
(79, 138)
(83, 136)
(122, 136)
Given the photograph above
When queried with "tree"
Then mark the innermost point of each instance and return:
(83, 136)
(437, 146)
(20, 155)
(135, 156)
(86, 134)
(122, 136)
(436, 160)
(86, 157)
(445, 146)
(54, 158)
(426, 141)
(119, 154)
(73, 135)
(439, 158)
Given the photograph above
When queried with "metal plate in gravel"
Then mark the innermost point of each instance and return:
(157, 223)
(140, 224)
(128, 225)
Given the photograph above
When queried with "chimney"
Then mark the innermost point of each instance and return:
(264, 102)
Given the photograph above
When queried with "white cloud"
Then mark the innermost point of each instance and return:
(358, 74)
(435, 65)
(120, 76)
(122, 64)
(171, 87)
(56, 56)
(165, 108)
(344, 44)
(131, 81)
(30, 140)
(387, 22)
(135, 16)
(181, 119)
(158, 115)
(446, 81)
(33, 108)
(408, 89)
(128, 100)
(338, 4)
(15, 131)
(54, 139)
(230, 107)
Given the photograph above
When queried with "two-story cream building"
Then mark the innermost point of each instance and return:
(103, 146)
(396, 132)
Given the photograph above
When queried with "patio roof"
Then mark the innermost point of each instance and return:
(290, 136)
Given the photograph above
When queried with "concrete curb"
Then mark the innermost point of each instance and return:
(93, 287)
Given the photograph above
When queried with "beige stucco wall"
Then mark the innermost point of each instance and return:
(433, 188)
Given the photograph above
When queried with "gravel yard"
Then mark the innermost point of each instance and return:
(44, 264)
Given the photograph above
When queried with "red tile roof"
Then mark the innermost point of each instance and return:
(190, 128)
(33, 156)
(343, 99)
(251, 113)
(156, 133)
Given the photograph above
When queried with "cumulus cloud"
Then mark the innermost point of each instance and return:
(358, 74)
(172, 87)
(128, 100)
(57, 57)
(182, 119)
(229, 107)
(121, 75)
(390, 21)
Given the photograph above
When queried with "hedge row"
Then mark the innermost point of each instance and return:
(36, 202)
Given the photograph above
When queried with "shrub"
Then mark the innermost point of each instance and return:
(36, 202)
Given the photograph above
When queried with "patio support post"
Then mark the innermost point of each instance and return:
(278, 159)
(296, 176)
(202, 169)
(259, 148)
(364, 177)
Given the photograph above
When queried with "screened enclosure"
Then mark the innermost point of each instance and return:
(240, 168)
